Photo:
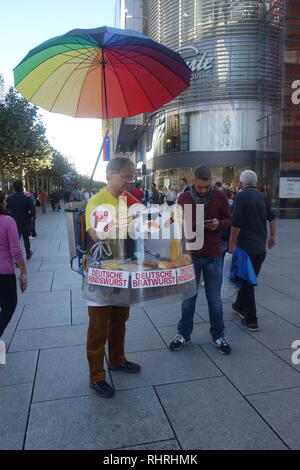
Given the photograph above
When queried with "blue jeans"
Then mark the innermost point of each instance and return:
(212, 275)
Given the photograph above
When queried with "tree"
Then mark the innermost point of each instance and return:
(85, 183)
(25, 152)
(22, 135)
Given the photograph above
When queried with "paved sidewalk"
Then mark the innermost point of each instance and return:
(192, 399)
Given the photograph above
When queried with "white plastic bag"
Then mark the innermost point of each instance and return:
(228, 287)
(2, 353)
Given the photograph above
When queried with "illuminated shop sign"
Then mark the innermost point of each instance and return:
(198, 61)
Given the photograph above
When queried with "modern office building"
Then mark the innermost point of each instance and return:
(242, 107)
(278, 140)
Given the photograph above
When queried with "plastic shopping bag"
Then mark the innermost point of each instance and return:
(2, 353)
(228, 286)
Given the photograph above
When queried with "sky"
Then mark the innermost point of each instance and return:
(24, 24)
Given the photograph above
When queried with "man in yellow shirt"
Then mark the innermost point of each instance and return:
(107, 322)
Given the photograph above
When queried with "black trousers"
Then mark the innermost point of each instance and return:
(24, 231)
(245, 300)
(8, 299)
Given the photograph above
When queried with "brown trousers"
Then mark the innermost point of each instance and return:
(106, 323)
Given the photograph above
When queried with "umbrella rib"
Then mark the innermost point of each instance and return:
(91, 69)
(69, 62)
(47, 79)
(164, 86)
(157, 60)
(139, 83)
(76, 41)
(75, 69)
(136, 61)
(82, 54)
(120, 86)
(136, 81)
(149, 46)
(89, 51)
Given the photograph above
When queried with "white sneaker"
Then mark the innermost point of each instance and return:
(2, 352)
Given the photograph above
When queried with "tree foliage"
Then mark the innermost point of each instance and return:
(24, 148)
(23, 143)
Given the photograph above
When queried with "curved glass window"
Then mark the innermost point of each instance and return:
(212, 126)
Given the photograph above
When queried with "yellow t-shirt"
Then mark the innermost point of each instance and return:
(102, 198)
(106, 199)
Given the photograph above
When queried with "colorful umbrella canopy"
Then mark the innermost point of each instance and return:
(71, 179)
(101, 73)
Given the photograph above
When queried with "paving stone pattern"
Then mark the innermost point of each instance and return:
(191, 399)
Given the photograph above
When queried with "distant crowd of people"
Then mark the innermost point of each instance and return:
(170, 195)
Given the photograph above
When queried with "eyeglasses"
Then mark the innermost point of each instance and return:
(129, 179)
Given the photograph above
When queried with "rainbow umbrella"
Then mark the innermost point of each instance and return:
(101, 73)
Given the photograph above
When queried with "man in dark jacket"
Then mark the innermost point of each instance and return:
(22, 210)
(207, 260)
(183, 184)
(251, 210)
(154, 196)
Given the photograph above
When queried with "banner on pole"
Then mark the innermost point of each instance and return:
(106, 149)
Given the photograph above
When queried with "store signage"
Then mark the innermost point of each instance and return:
(289, 188)
(198, 61)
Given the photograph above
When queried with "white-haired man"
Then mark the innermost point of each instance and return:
(251, 211)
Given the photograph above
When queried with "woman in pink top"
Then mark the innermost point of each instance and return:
(10, 253)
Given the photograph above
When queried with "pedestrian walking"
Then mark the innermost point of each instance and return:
(219, 186)
(153, 196)
(137, 192)
(22, 210)
(107, 322)
(86, 195)
(55, 201)
(32, 231)
(183, 185)
(251, 211)
(76, 195)
(43, 197)
(67, 195)
(171, 196)
(10, 253)
(207, 261)
(162, 197)
(146, 196)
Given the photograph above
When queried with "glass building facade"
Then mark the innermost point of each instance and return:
(239, 110)
(289, 182)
